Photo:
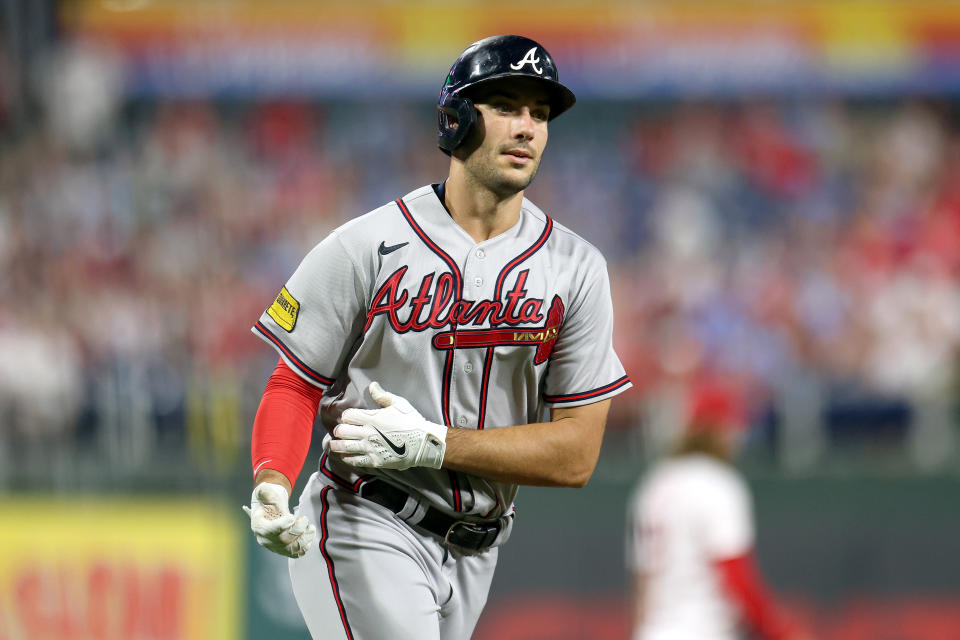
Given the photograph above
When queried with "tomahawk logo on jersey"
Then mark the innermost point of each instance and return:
(433, 307)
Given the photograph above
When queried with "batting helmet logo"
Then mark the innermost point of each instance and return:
(490, 60)
(531, 59)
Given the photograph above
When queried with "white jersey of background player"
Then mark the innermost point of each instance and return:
(691, 537)
(462, 342)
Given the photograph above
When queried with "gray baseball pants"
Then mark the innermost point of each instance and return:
(371, 576)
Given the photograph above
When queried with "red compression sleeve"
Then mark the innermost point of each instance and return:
(743, 584)
(284, 423)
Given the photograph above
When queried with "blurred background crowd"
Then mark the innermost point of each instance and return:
(799, 249)
(808, 254)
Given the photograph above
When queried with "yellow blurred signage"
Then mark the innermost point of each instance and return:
(118, 570)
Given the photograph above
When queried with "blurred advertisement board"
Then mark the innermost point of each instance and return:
(610, 49)
(119, 570)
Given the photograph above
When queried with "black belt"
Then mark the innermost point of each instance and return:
(473, 536)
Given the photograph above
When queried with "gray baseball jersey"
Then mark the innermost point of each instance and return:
(474, 335)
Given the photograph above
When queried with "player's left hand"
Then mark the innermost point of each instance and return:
(394, 437)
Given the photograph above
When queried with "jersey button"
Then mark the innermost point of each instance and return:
(478, 281)
(468, 367)
(462, 421)
(481, 254)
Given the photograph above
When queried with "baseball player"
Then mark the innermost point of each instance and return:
(690, 537)
(458, 342)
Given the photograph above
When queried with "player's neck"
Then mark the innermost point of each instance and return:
(480, 212)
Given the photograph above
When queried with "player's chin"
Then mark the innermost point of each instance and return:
(517, 178)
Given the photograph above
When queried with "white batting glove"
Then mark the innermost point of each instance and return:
(275, 527)
(394, 437)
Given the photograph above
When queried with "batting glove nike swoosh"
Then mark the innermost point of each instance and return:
(394, 437)
(274, 526)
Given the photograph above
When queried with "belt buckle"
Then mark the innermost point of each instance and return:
(480, 534)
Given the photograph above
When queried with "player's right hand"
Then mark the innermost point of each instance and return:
(275, 527)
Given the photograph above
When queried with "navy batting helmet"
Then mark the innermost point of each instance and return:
(489, 59)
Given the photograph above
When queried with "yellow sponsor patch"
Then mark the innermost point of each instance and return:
(284, 310)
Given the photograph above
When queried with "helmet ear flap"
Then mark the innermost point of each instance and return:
(456, 118)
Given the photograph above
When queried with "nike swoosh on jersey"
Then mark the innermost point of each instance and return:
(383, 249)
(398, 450)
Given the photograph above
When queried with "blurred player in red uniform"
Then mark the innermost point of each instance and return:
(691, 537)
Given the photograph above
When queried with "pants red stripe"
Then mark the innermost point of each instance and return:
(333, 577)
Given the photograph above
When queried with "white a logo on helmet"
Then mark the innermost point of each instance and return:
(529, 58)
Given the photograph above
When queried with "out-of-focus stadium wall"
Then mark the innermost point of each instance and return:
(857, 558)
(854, 557)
